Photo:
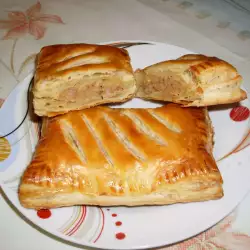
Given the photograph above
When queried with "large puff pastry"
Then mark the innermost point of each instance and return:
(191, 80)
(76, 76)
(108, 157)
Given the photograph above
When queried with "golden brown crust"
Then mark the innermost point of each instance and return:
(77, 76)
(104, 156)
(191, 80)
(54, 59)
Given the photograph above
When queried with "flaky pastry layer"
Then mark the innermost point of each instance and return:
(77, 76)
(191, 80)
(103, 156)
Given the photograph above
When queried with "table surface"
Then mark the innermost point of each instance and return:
(215, 27)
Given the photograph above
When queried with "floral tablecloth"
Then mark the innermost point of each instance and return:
(219, 28)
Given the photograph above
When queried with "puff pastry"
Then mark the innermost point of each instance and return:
(108, 157)
(76, 76)
(191, 80)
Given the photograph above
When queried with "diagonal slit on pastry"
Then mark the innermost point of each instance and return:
(191, 80)
(77, 76)
(130, 157)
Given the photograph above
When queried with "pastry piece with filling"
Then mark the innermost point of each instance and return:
(110, 157)
(77, 76)
(191, 80)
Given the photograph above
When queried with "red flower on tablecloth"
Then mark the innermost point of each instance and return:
(31, 21)
(219, 237)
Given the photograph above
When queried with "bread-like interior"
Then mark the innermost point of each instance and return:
(191, 80)
(130, 157)
(76, 76)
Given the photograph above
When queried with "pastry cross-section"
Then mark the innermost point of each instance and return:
(110, 157)
(191, 80)
(77, 76)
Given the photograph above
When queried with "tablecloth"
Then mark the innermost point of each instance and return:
(220, 28)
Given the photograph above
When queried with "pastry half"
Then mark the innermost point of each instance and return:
(191, 80)
(77, 76)
(129, 157)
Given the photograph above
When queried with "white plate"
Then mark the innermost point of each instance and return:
(142, 227)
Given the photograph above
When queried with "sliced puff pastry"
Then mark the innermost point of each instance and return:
(191, 80)
(108, 157)
(76, 76)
